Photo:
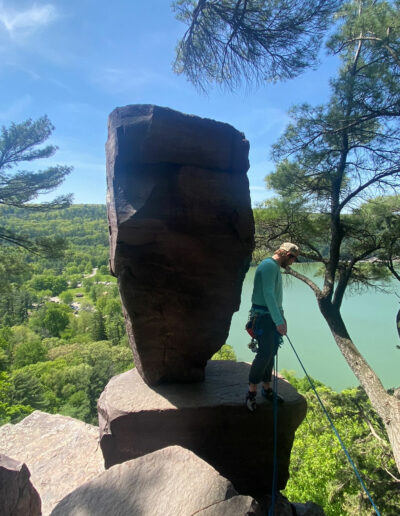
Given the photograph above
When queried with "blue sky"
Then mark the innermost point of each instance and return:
(77, 60)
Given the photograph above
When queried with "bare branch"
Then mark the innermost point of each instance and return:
(314, 287)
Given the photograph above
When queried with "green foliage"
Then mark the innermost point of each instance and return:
(87, 241)
(55, 284)
(29, 353)
(68, 382)
(27, 389)
(14, 306)
(9, 411)
(21, 143)
(335, 165)
(78, 406)
(53, 358)
(5, 348)
(51, 319)
(225, 353)
(13, 267)
(334, 157)
(67, 297)
(319, 469)
(97, 327)
(236, 40)
(13, 413)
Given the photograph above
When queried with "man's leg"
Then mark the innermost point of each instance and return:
(265, 329)
(267, 390)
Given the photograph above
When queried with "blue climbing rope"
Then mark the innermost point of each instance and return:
(275, 445)
(336, 432)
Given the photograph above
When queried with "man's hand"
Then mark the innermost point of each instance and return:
(282, 328)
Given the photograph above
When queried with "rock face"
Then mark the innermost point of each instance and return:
(308, 509)
(168, 482)
(209, 418)
(181, 235)
(18, 497)
(61, 453)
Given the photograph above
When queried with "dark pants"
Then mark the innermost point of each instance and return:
(268, 343)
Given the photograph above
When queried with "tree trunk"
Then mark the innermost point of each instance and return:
(387, 406)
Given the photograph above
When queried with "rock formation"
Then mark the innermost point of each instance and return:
(181, 235)
(61, 453)
(18, 497)
(168, 482)
(209, 418)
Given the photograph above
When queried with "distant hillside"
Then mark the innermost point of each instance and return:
(84, 226)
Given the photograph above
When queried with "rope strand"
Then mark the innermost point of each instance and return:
(275, 451)
(336, 432)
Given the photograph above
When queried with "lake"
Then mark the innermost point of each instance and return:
(370, 318)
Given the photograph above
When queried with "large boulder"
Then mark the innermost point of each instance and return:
(168, 482)
(208, 418)
(61, 453)
(18, 497)
(181, 235)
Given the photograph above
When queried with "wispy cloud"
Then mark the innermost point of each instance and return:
(264, 123)
(25, 21)
(120, 80)
(15, 111)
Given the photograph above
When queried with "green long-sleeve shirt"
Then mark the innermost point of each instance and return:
(267, 290)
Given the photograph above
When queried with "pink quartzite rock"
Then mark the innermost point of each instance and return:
(168, 482)
(18, 497)
(61, 453)
(209, 418)
(181, 235)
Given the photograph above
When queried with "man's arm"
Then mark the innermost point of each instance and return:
(269, 279)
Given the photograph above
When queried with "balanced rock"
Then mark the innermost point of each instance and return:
(18, 497)
(209, 418)
(61, 452)
(181, 235)
(168, 482)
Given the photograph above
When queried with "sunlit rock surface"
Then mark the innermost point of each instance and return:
(181, 234)
(168, 482)
(209, 418)
(61, 453)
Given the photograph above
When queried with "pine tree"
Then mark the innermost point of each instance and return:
(21, 143)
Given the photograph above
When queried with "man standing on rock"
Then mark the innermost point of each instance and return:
(267, 320)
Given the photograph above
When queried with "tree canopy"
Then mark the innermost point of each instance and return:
(233, 41)
(21, 143)
(336, 176)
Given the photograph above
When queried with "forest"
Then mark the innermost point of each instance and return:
(62, 333)
(62, 337)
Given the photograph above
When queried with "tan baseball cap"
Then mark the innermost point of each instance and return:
(290, 248)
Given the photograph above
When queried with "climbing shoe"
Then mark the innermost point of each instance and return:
(251, 401)
(269, 395)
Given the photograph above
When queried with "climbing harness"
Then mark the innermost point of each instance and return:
(334, 429)
(251, 330)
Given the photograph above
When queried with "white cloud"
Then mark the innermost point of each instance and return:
(27, 20)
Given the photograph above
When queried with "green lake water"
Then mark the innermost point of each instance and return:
(370, 318)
